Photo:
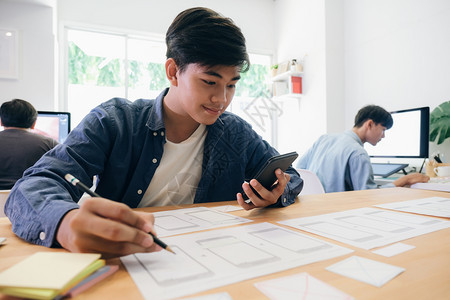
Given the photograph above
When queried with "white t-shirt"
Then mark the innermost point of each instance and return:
(178, 174)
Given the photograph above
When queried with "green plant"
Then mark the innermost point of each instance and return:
(274, 67)
(440, 123)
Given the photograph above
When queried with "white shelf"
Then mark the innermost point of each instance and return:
(286, 79)
(285, 76)
(290, 95)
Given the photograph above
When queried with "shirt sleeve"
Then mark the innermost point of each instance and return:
(293, 188)
(361, 174)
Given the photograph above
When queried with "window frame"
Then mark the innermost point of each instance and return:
(62, 85)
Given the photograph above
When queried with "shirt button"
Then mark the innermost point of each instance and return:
(155, 133)
(154, 160)
(162, 133)
(139, 192)
(42, 236)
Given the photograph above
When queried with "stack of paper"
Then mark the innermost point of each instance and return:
(45, 275)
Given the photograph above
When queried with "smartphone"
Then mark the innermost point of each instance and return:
(266, 175)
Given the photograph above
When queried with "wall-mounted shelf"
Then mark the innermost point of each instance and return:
(289, 95)
(286, 75)
(288, 84)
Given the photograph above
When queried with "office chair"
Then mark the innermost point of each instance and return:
(311, 183)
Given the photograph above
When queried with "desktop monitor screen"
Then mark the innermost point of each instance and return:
(53, 124)
(408, 137)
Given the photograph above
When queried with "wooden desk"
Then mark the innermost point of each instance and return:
(427, 274)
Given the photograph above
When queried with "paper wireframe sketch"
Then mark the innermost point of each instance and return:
(433, 206)
(368, 227)
(186, 220)
(227, 208)
(366, 270)
(223, 256)
(394, 249)
(300, 286)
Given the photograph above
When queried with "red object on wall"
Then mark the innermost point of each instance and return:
(296, 84)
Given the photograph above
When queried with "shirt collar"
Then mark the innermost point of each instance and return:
(354, 136)
(155, 119)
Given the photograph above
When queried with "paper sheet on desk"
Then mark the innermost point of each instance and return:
(219, 257)
(227, 208)
(366, 270)
(433, 186)
(368, 227)
(173, 222)
(394, 249)
(300, 286)
(432, 206)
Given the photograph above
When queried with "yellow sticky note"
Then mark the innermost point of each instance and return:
(47, 270)
(46, 294)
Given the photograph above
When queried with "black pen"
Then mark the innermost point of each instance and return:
(70, 178)
(81, 186)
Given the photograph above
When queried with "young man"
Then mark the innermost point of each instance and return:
(340, 160)
(19, 147)
(177, 149)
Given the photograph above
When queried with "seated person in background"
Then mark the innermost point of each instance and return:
(340, 160)
(19, 147)
(180, 148)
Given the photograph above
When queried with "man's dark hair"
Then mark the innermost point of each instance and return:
(202, 36)
(375, 113)
(18, 113)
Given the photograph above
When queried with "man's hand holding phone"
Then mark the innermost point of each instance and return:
(266, 196)
(268, 184)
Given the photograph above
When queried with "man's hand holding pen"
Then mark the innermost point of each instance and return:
(108, 227)
(104, 226)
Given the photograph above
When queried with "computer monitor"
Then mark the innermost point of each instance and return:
(408, 137)
(53, 124)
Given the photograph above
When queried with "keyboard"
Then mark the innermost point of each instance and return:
(435, 184)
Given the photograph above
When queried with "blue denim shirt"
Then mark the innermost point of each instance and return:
(341, 163)
(122, 142)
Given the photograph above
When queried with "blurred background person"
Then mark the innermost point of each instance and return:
(340, 160)
(19, 147)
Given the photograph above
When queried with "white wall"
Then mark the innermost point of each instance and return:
(397, 55)
(254, 17)
(335, 67)
(314, 30)
(300, 32)
(36, 82)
